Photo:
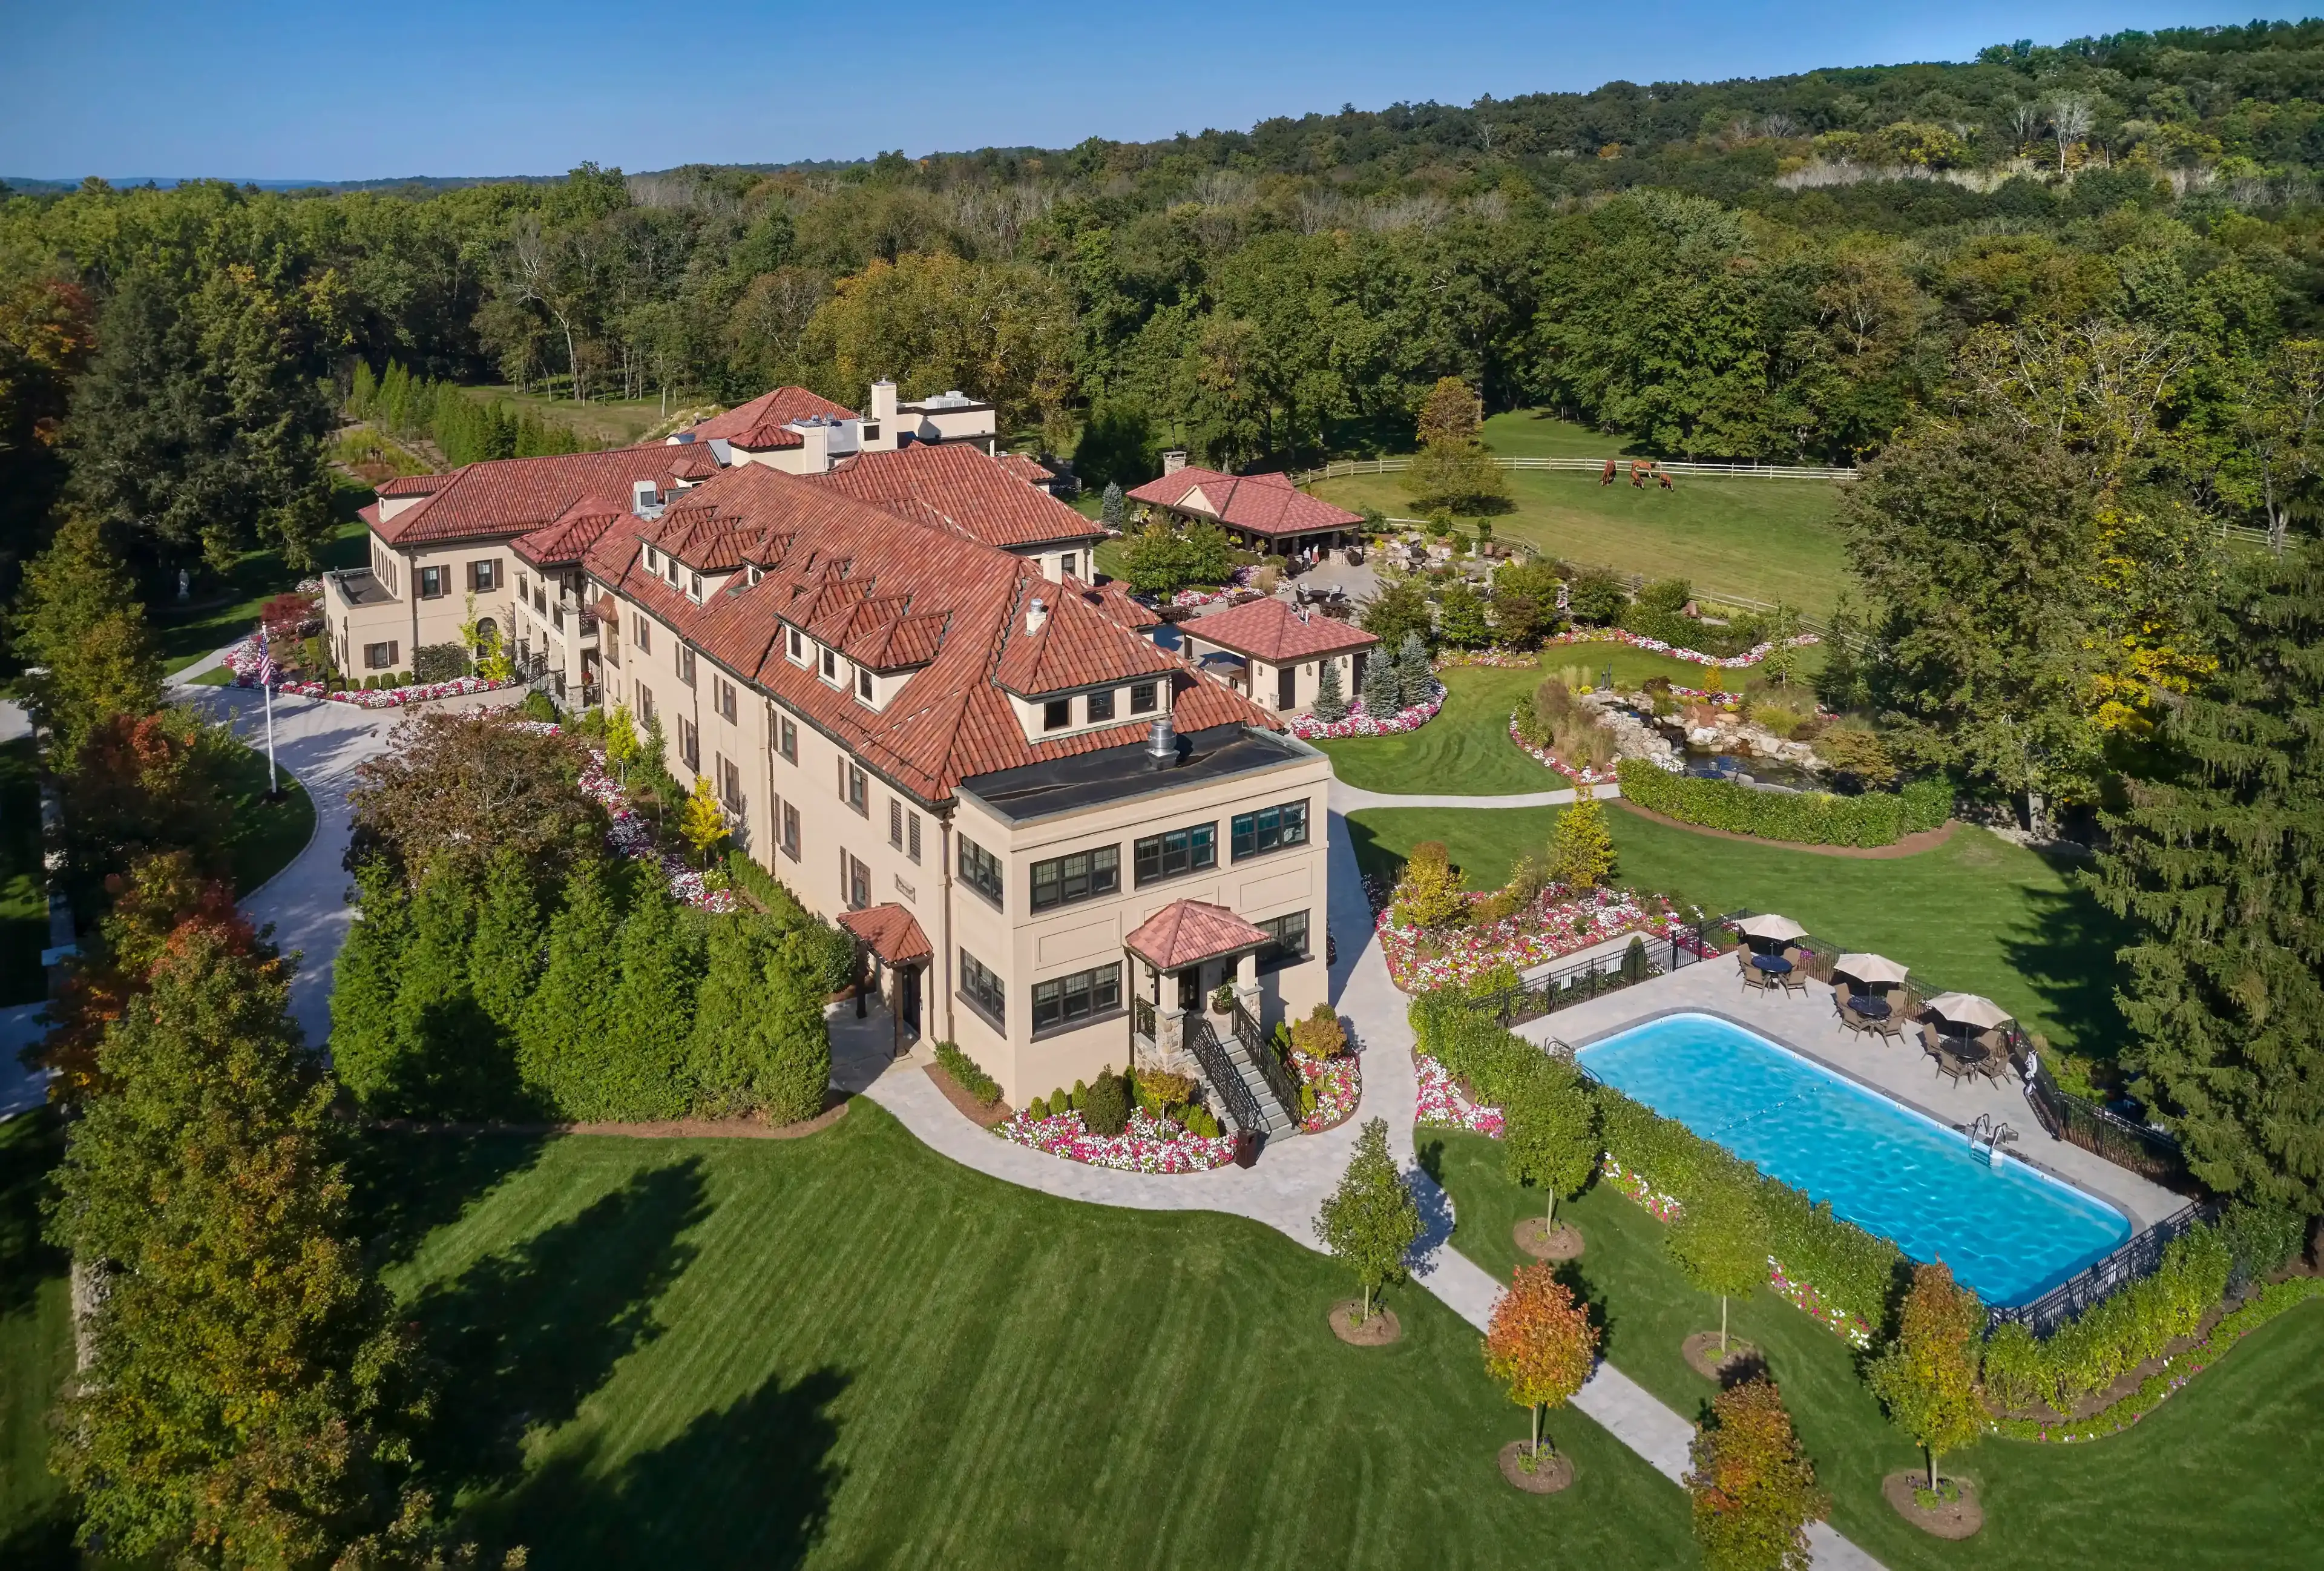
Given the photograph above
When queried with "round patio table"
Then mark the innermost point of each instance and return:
(1773, 965)
(1869, 1006)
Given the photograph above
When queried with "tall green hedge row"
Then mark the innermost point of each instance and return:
(1803, 817)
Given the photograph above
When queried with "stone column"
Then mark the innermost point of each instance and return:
(1246, 984)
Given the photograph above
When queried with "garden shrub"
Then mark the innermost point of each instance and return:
(1080, 1095)
(2119, 1332)
(1159, 1091)
(1805, 817)
(1635, 964)
(1199, 1121)
(1321, 1035)
(822, 946)
(965, 1073)
(537, 707)
(439, 662)
(1038, 1110)
(1105, 1109)
(1597, 599)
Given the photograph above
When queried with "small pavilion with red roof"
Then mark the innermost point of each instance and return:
(1274, 655)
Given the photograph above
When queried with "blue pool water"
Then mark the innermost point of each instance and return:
(2007, 1232)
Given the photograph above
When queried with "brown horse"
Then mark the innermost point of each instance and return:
(1639, 469)
(1664, 477)
(1606, 476)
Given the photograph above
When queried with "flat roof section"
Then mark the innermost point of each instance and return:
(1119, 774)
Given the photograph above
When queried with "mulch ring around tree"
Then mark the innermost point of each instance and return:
(1381, 1329)
(1946, 1518)
(1538, 1239)
(975, 1111)
(1740, 1361)
(1550, 1473)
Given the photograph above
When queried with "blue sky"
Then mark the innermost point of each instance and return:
(529, 87)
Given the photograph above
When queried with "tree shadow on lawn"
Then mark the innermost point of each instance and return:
(30, 1145)
(2067, 952)
(751, 1485)
(522, 1338)
(407, 1183)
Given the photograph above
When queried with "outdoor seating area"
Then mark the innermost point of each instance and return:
(1963, 1035)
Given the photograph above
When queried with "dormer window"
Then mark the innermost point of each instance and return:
(1141, 697)
(1057, 714)
(653, 560)
(694, 588)
(1100, 706)
(862, 684)
(830, 666)
(798, 647)
(754, 575)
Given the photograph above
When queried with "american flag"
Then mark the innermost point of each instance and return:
(266, 671)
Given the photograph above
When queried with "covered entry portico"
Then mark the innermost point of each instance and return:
(900, 952)
(1178, 957)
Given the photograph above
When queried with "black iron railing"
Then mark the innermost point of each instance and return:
(2133, 1260)
(1141, 1017)
(2151, 1153)
(1579, 982)
(1271, 1066)
(1242, 1106)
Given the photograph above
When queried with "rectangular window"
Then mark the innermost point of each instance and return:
(645, 642)
(1057, 714)
(1269, 830)
(1176, 852)
(519, 586)
(686, 665)
(856, 880)
(730, 784)
(790, 832)
(1100, 706)
(912, 835)
(862, 684)
(431, 583)
(852, 789)
(1141, 698)
(895, 823)
(1069, 1000)
(980, 870)
(983, 990)
(690, 743)
(1082, 876)
(694, 587)
(786, 738)
(379, 657)
(830, 666)
(484, 577)
(1067, 563)
(1288, 941)
(645, 704)
(798, 647)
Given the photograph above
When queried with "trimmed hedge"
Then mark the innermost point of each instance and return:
(828, 949)
(1803, 817)
(966, 1074)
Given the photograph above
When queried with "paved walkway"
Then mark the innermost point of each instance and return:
(1347, 799)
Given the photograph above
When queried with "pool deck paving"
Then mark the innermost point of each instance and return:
(1895, 1067)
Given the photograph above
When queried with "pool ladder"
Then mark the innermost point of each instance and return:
(1986, 1132)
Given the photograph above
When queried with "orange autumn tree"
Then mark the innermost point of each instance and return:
(1753, 1488)
(1540, 1345)
(1927, 1377)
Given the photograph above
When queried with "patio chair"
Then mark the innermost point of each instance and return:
(1894, 1026)
(1756, 980)
(1850, 1021)
(1932, 1043)
(1796, 980)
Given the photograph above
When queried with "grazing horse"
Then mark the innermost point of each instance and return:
(1639, 469)
(1664, 477)
(1606, 476)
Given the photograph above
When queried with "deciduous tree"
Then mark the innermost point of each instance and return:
(1755, 1490)
(1540, 1344)
(1582, 847)
(471, 785)
(1370, 1221)
(79, 619)
(1718, 1240)
(1927, 1376)
(1550, 1135)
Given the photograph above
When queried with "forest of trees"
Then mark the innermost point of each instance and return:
(1780, 268)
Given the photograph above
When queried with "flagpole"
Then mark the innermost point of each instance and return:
(266, 685)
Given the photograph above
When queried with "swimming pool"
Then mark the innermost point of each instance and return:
(2009, 1233)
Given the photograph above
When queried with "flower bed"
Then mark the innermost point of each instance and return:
(1586, 775)
(1803, 1296)
(1150, 1145)
(242, 659)
(1662, 1207)
(1411, 717)
(630, 836)
(1551, 931)
(1503, 659)
(1730, 662)
(1339, 1085)
(1441, 1105)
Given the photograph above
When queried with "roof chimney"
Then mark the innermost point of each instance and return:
(1037, 615)
(1172, 461)
(1162, 744)
(883, 400)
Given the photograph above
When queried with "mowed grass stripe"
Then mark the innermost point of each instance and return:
(848, 1351)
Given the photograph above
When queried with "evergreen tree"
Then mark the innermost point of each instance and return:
(1383, 692)
(794, 1066)
(563, 1046)
(504, 959)
(2216, 859)
(365, 1045)
(80, 619)
(1417, 682)
(1111, 511)
(760, 1042)
(1330, 702)
(653, 1009)
(243, 1404)
(440, 1033)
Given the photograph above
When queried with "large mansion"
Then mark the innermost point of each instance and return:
(887, 649)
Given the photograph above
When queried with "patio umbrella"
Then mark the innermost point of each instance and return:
(1969, 1009)
(1873, 968)
(1782, 929)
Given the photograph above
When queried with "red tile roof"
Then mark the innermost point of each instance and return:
(1269, 630)
(889, 932)
(759, 424)
(575, 530)
(1266, 504)
(1187, 932)
(415, 485)
(512, 496)
(1032, 471)
(966, 490)
(1077, 645)
(895, 593)
(369, 513)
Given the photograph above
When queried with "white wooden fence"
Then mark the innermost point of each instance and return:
(1345, 466)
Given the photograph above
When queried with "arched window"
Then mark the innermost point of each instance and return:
(486, 634)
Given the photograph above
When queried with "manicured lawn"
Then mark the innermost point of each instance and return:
(1977, 913)
(1770, 540)
(1535, 433)
(2221, 1475)
(268, 834)
(35, 1349)
(223, 609)
(23, 893)
(845, 1350)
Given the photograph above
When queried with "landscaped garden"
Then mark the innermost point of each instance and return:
(1976, 913)
(2221, 1474)
(222, 610)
